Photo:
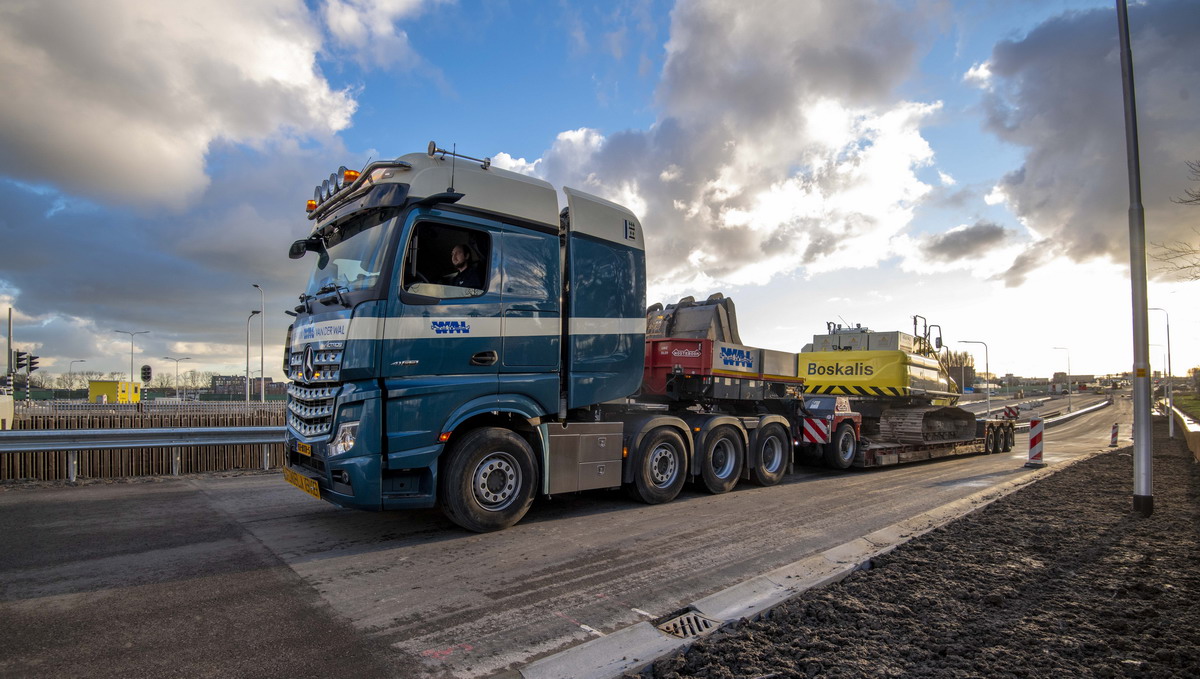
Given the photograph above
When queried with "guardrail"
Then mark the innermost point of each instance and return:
(74, 440)
(157, 406)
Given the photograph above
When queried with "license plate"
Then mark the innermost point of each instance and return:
(302, 482)
(304, 449)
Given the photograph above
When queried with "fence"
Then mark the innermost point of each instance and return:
(52, 461)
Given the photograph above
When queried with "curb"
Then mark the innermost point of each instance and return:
(634, 648)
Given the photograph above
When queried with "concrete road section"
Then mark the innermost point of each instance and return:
(229, 575)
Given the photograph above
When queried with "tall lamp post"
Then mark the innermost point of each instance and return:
(1068, 375)
(987, 371)
(262, 342)
(252, 315)
(131, 335)
(1170, 387)
(71, 372)
(177, 360)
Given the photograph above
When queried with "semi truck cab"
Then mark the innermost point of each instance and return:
(451, 299)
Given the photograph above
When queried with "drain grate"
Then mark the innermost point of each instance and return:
(689, 625)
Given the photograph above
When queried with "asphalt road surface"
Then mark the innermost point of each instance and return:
(244, 575)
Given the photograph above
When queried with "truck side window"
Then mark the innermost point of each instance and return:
(447, 262)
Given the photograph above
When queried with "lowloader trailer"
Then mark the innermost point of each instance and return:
(463, 343)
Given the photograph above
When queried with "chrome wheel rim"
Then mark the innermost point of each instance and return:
(772, 454)
(722, 458)
(496, 480)
(663, 467)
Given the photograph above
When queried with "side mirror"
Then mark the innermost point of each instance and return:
(938, 343)
(298, 249)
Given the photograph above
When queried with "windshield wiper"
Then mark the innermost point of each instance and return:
(334, 288)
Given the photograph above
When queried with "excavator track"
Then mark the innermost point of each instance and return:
(922, 425)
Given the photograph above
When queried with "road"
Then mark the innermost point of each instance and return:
(221, 575)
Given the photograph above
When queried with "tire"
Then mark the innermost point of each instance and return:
(659, 467)
(989, 441)
(722, 459)
(842, 447)
(1010, 439)
(488, 481)
(769, 458)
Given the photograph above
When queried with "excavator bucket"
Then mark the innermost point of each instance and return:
(713, 319)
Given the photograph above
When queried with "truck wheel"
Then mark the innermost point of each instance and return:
(721, 461)
(488, 481)
(1010, 439)
(769, 460)
(659, 467)
(989, 441)
(841, 449)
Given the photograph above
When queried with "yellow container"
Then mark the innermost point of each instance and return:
(114, 391)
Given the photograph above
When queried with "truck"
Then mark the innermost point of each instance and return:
(462, 342)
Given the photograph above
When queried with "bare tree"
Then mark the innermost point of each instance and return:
(1180, 257)
(954, 362)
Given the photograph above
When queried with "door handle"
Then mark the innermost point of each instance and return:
(484, 358)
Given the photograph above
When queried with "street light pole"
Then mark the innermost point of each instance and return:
(131, 334)
(252, 315)
(1068, 375)
(177, 360)
(262, 343)
(71, 372)
(987, 371)
(1170, 386)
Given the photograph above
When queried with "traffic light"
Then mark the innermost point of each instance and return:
(32, 362)
(146, 373)
(19, 360)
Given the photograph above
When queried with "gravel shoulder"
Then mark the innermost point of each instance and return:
(1058, 579)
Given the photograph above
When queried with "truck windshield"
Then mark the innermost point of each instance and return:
(353, 256)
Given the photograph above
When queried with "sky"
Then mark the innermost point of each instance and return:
(853, 161)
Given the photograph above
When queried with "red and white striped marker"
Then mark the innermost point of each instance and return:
(1113, 442)
(815, 430)
(1035, 443)
(1011, 412)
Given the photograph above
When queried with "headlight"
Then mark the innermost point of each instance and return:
(344, 441)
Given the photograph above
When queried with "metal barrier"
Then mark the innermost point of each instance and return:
(31, 408)
(74, 440)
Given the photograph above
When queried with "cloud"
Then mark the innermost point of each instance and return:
(965, 242)
(369, 30)
(121, 100)
(779, 144)
(1056, 92)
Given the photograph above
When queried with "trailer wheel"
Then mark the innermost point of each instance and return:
(841, 449)
(659, 467)
(989, 441)
(1010, 439)
(488, 481)
(770, 456)
(722, 459)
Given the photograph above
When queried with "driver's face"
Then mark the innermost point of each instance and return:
(458, 256)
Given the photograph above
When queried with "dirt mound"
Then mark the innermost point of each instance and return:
(1058, 579)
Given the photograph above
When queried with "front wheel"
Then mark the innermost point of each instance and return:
(770, 455)
(841, 449)
(721, 460)
(659, 467)
(488, 481)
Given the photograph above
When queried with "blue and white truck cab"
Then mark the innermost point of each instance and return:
(453, 312)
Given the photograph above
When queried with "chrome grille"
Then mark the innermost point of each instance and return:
(311, 395)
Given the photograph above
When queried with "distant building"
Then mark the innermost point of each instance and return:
(114, 391)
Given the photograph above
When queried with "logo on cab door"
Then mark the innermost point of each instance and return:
(450, 327)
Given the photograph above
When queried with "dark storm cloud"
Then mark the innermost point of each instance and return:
(1057, 93)
(965, 243)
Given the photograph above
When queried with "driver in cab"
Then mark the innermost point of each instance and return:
(467, 272)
